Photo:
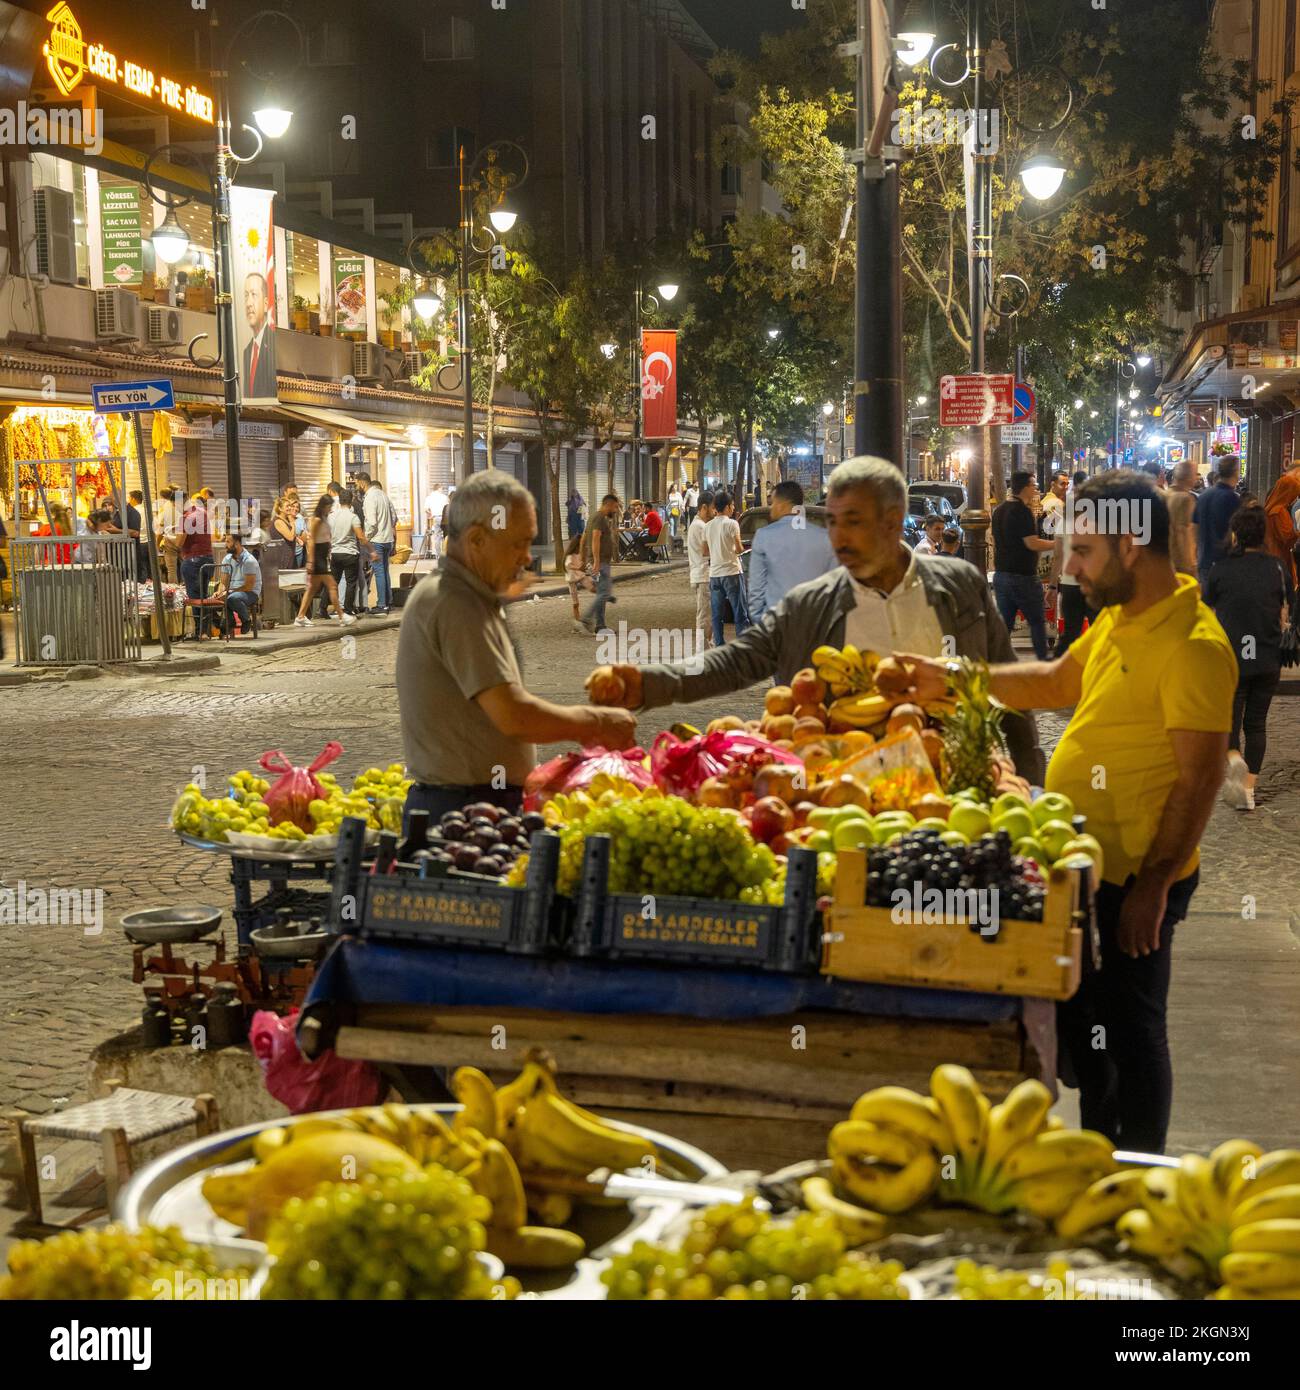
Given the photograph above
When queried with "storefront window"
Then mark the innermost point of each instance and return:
(390, 300)
(303, 280)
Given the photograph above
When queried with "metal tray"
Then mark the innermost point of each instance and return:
(268, 942)
(154, 926)
(168, 1192)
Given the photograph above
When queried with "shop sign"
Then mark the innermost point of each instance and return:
(1200, 416)
(250, 429)
(349, 294)
(977, 399)
(1226, 434)
(69, 58)
(119, 221)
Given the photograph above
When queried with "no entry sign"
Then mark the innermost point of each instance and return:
(977, 399)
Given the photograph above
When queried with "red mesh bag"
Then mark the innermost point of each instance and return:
(328, 1083)
(573, 771)
(682, 765)
(297, 787)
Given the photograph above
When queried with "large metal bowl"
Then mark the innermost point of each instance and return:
(157, 926)
(168, 1192)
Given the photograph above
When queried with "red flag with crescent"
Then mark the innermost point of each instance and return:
(659, 383)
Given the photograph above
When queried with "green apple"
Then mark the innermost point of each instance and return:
(823, 817)
(1009, 801)
(891, 833)
(820, 840)
(969, 819)
(966, 794)
(1015, 820)
(1027, 847)
(954, 838)
(932, 823)
(1054, 835)
(853, 833)
(1084, 844)
(844, 813)
(904, 818)
(1052, 806)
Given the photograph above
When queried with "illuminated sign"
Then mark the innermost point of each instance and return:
(69, 58)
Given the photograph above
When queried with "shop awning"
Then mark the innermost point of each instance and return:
(349, 424)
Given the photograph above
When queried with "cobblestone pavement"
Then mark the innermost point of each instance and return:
(90, 769)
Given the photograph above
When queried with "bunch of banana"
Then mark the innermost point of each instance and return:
(863, 711)
(846, 671)
(423, 1134)
(564, 808)
(885, 1169)
(1234, 1216)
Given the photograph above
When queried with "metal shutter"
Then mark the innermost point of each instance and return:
(440, 468)
(259, 468)
(313, 465)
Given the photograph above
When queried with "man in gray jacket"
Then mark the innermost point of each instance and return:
(882, 597)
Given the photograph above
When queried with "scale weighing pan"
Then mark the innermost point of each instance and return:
(158, 926)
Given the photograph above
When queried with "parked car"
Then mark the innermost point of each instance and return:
(953, 493)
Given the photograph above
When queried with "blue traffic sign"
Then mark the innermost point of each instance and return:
(114, 397)
(1025, 401)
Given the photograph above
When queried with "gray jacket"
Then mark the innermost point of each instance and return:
(813, 615)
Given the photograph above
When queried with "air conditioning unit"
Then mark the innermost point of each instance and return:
(367, 361)
(412, 365)
(393, 367)
(56, 243)
(164, 329)
(117, 314)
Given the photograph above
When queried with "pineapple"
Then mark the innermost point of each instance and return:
(972, 734)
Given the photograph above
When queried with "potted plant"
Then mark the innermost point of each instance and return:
(198, 292)
(301, 314)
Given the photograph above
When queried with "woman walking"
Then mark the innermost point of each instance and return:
(1251, 593)
(319, 574)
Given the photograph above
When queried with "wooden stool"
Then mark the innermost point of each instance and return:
(121, 1118)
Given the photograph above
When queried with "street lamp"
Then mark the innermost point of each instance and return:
(828, 409)
(502, 217)
(668, 291)
(1042, 175)
(1144, 359)
(169, 240)
(426, 301)
(774, 333)
(1078, 404)
(272, 115)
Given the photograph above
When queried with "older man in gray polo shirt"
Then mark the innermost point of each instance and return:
(469, 727)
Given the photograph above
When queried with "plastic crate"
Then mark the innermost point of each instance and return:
(670, 930)
(455, 910)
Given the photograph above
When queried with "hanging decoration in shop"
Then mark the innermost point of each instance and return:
(659, 382)
(253, 246)
(161, 433)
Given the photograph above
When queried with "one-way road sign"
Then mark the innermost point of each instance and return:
(116, 396)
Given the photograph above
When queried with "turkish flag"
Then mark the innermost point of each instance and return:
(659, 383)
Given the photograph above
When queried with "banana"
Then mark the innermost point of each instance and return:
(1198, 1199)
(555, 1133)
(1230, 1160)
(1102, 1203)
(1258, 1272)
(898, 1108)
(535, 1247)
(1141, 1232)
(1280, 1236)
(477, 1096)
(500, 1183)
(1160, 1201)
(550, 1208)
(855, 1223)
(267, 1141)
(1277, 1202)
(868, 1143)
(1050, 1196)
(1227, 1291)
(959, 1100)
(888, 1189)
(1280, 1168)
(1014, 1122)
(518, 1092)
(1063, 1148)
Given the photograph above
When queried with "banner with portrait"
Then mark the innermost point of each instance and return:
(253, 291)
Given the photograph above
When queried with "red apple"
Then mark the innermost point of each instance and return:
(808, 688)
(802, 810)
(771, 817)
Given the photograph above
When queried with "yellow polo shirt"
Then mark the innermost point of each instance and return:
(1171, 667)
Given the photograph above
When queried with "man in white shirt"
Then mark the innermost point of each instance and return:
(692, 501)
(169, 542)
(379, 518)
(726, 578)
(697, 553)
(347, 545)
(435, 504)
(932, 536)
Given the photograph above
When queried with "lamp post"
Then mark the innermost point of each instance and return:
(641, 302)
(467, 255)
(1124, 371)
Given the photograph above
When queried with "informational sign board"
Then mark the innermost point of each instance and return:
(350, 294)
(121, 397)
(977, 399)
(1020, 432)
(119, 223)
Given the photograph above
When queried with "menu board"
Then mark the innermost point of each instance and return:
(349, 294)
(119, 228)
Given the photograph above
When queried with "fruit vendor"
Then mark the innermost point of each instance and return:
(880, 597)
(469, 726)
(1151, 683)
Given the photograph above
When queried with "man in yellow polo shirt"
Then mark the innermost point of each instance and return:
(1152, 683)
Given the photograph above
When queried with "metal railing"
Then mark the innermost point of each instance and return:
(75, 600)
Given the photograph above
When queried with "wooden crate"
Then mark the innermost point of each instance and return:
(1039, 959)
(755, 1093)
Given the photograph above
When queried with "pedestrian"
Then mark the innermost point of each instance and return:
(951, 542)
(691, 500)
(575, 509)
(932, 529)
(166, 533)
(1252, 594)
(320, 572)
(882, 597)
(1054, 502)
(1279, 508)
(1181, 502)
(1151, 686)
(603, 544)
(379, 520)
(788, 551)
(575, 573)
(435, 504)
(287, 523)
(1016, 548)
(674, 510)
(196, 557)
(726, 575)
(241, 582)
(347, 545)
(1213, 515)
(259, 535)
(469, 724)
(1074, 606)
(133, 526)
(697, 555)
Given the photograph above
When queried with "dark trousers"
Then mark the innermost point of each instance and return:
(346, 569)
(1074, 609)
(1112, 1034)
(1023, 592)
(439, 800)
(1250, 713)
